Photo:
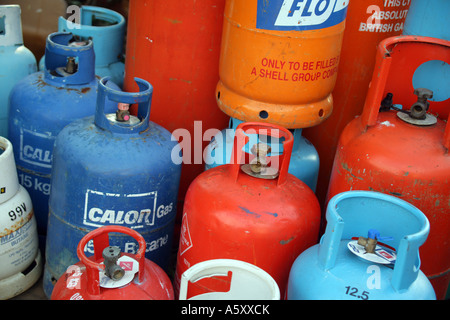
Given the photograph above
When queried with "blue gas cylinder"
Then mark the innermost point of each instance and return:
(107, 30)
(304, 162)
(111, 171)
(430, 18)
(16, 61)
(43, 103)
(370, 251)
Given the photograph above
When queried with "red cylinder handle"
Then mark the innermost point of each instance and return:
(426, 49)
(100, 236)
(268, 129)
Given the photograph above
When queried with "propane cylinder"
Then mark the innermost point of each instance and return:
(110, 274)
(430, 19)
(175, 45)
(41, 104)
(251, 210)
(370, 251)
(304, 163)
(112, 169)
(106, 28)
(20, 258)
(402, 151)
(16, 61)
(279, 60)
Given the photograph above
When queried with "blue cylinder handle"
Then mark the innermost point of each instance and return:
(375, 234)
(57, 52)
(354, 212)
(143, 98)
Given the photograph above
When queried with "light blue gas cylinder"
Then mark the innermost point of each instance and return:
(16, 61)
(430, 18)
(107, 30)
(304, 162)
(370, 251)
(41, 105)
(111, 171)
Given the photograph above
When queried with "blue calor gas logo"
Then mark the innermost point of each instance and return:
(300, 14)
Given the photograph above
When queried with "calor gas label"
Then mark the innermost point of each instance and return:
(131, 210)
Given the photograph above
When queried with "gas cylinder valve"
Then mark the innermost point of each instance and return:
(110, 255)
(420, 108)
(123, 113)
(260, 150)
(417, 114)
(71, 66)
(370, 242)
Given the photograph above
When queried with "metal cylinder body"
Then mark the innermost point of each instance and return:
(279, 60)
(20, 259)
(338, 269)
(86, 280)
(233, 214)
(108, 172)
(16, 60)
(41, 105)
(387, 152)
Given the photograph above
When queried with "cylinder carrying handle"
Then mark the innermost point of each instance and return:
(143, 98)
(100, 237)
(270, 130)
(381, 74)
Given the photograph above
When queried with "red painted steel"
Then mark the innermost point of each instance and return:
(230, 214)
(175, 45)
(150, 282)
(379, 151)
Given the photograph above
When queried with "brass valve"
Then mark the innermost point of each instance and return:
(260, 161)
(368, 243)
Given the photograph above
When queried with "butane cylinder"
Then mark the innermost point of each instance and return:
(20, 258)
(16, 61)
(41, 105)
(112, 169)
(106, 28)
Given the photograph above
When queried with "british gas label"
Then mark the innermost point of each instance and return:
(131, 210)
(300, 14)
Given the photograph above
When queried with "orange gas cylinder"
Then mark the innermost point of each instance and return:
(110, 274)
(403, 152)
(251, 210)
(175, 45)
(279, 60)
(366, 25)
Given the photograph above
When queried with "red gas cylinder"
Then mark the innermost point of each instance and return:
(175, 45)
(367, 23)
(112, 275)
(251, 210)
(403, 153)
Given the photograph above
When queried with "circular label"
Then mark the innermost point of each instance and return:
(382, 255)
(129, 265)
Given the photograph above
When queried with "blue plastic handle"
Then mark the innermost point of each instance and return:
(375, 234)
(143, 98)
(354, 212)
